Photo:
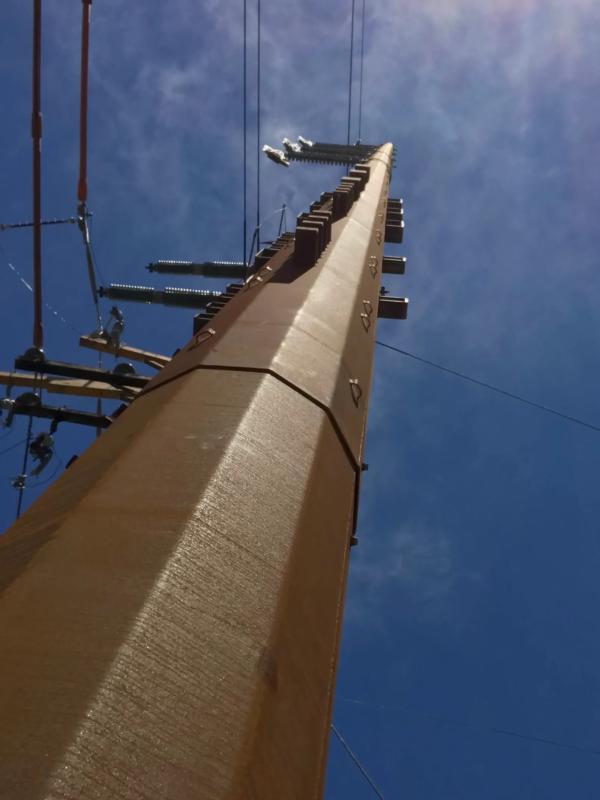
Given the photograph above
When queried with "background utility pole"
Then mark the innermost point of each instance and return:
(170, 609)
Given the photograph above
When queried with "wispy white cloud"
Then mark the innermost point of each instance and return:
(408, 574)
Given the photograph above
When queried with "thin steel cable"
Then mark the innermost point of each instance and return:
(82, 187)
(24, 467)
(8, 226)
(29, 288)
(99, 399)
(12, 447)
(36, 137)
(256, 238)
(91, 267)
(83, 101)
(258, 115)
(356, 761)
(5, 435)
(251, 253)
(492, 388)
(95, 257)
(362, 59)
(281, 221)
(481, 728)
(350, 71)
(245, 137)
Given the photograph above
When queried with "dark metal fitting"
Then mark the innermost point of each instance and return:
(18, 482)
(34, 354)
(392, 308)
(124, 368)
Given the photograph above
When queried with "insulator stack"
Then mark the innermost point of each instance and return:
(325, 153)
(181, 298)
(207, 269)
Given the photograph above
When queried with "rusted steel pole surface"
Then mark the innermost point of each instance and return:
(170, 609)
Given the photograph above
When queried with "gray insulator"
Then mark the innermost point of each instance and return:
(207, 269)
(171, 296)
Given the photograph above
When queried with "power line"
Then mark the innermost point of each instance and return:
(350, 70)
(356, 761)
(36, 135)
(12, 447)
(492, 388)
(10, 430)
(473, 726)
(83, 102)
(82, 187)
(7, 226)
(282, 221)
(256, 235)
(95, 259)
(362, 59)
(258, 151)
(29, 288)
(245, 137)
(24, 468)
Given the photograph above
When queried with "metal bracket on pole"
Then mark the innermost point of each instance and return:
(123, 378)
(154, 360)
(29, 405)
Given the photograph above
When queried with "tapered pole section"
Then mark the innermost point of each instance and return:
(170, 609)
(36, 135)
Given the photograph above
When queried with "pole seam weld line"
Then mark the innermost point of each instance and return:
(354, 462)
(267, 371)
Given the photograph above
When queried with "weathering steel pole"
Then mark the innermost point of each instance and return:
(36, 135)
(170, 608)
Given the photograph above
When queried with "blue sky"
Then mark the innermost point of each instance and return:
(473, 596)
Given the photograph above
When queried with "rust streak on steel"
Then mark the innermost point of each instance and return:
(170, 608)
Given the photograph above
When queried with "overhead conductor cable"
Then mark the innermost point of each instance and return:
(350, 71)
(245, 126)
(82, 182)
(19, 482)
(362, 59)
(36, 134)
(258, 148)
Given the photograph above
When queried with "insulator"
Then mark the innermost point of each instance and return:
(208, 269)
(325, 153)
(171, 296)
